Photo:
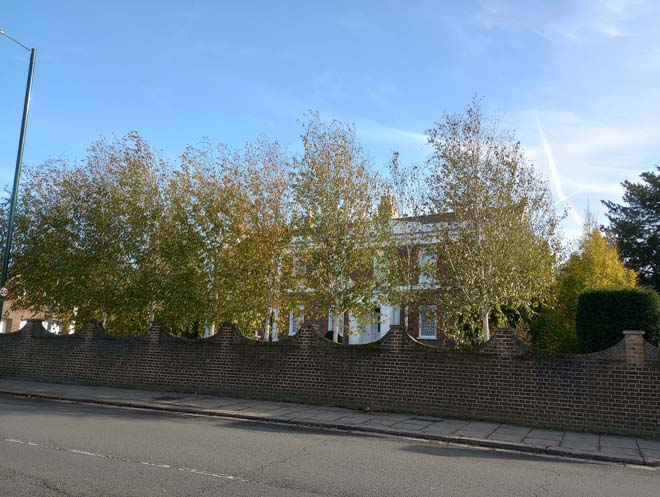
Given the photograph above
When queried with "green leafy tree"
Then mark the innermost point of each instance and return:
(265, 252)
(126, 238)
(635, 227)
(207, 212)
(88, 235)
(409, 234)
(500, 250)
(230, 238)
(44, 219)
(340, 231)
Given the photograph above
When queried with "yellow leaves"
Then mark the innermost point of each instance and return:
(596, 264)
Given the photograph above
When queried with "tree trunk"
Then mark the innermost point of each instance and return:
(274, 329)
(404, 308)
(50, 319)
(152, 311)
(335, 329)
(268, 326)
(484, 324)
(72, 326)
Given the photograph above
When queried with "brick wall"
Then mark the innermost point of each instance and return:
(616, 390)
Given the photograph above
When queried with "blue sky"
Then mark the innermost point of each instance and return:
(578, 80)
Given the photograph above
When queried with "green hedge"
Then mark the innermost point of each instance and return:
(603, 314)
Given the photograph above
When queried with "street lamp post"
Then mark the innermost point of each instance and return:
(19, 165)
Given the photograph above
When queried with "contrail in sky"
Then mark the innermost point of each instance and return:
(554, 174)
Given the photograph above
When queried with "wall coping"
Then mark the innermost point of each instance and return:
(503, 343)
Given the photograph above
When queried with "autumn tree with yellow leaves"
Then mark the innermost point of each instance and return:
(595, 264)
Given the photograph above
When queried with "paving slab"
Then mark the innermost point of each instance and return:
(618, 451)
(651, 457)
(477, 429)
(411, 425)
(399, 417)
(328, 416)
(546, 434)
(356, 419)
(645, 443)
(310, 415)
(541, 442)
(618, 442)
(405, 426)
(446, 427)
(243, 406)
(385, 421)
(225, 402)
(580, 441)
(509, 433)
(282, 411)
(295, 415)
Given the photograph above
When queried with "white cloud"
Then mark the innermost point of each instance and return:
(587, 160)
(580, 22)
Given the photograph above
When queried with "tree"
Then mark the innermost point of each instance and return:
(43, 219)
(88, 236)
(500, 250)
(636, 227)
(231, 238)
(265, 253)
(595, 264)
(339, 228)
(129, 205)
(126, 238)
(207, 211)
(410, 198)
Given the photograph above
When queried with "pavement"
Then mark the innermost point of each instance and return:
(70, 449)
(579, 445)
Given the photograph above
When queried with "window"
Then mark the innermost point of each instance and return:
(396, 315)
(376, 324)
(295, 321)
(428, 321)
(372, 326)
(427, 267)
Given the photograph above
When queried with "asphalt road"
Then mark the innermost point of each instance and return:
(56, 449)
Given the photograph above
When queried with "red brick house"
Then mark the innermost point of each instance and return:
(423, 320)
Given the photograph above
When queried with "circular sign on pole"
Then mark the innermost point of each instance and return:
(4, 292)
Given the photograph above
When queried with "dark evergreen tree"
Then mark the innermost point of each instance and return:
(635, 226)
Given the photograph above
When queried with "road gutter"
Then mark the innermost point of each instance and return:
(554, 452)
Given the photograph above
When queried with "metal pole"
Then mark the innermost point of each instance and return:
(17, 175)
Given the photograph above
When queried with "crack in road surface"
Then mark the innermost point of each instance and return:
(183, 469)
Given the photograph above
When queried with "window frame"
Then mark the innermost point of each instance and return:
(423, 311)
(426, 258)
